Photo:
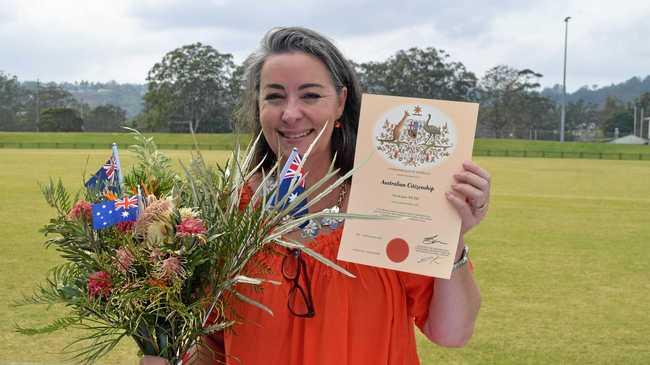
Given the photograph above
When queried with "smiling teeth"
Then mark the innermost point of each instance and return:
(298, 135)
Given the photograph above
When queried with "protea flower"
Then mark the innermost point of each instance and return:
(190, 227)
(154, 224)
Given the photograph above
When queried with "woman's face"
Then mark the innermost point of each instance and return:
(297, 99)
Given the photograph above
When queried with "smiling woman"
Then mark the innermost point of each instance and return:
(298, 85)
(298, 100)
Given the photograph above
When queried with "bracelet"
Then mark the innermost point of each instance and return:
(462, 260)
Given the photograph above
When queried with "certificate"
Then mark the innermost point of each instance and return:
(408, 150)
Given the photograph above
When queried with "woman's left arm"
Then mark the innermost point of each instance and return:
(455, 302)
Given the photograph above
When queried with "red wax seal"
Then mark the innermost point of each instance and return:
(397, 250)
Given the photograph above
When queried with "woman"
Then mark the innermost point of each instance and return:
(297, 84)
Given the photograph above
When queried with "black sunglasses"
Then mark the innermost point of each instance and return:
(300, 302)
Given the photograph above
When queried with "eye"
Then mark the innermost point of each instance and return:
(311, 96)
(273, 96)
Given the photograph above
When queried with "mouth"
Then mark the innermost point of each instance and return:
(295, 135)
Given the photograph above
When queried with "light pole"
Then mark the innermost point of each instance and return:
(563, 115)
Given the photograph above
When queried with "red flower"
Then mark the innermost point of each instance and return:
(125, 227)
(99, 284)
(81, 209)
(190, 227)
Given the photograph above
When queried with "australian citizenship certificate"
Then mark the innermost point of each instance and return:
(408, 150)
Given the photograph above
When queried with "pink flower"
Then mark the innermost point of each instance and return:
(99, 283)
(81, 209)
(171, 268)
(190, 227)
(124, 259)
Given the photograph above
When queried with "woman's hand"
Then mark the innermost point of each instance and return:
(153, 360)
(470, 195)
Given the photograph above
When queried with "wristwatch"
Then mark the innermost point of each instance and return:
(464, 258)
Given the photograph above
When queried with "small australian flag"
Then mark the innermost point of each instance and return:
(292, 172)
(110, 212)
(106, 177)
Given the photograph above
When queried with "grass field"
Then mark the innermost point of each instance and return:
(562, 260)
(102, 140)
(225, 142)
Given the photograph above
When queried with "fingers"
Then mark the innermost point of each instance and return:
(473, 179)
(461, 205)
(472, 167)
(472, 193)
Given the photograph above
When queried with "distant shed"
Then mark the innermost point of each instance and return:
(630, 139)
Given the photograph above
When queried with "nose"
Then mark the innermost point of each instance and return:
(292, 110)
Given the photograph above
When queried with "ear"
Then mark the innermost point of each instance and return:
(341, 98)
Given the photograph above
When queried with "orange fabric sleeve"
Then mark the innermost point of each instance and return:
(419, 290)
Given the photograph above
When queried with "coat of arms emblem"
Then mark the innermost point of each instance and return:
(412, 136)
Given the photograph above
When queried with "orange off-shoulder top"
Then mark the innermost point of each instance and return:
(364, 320)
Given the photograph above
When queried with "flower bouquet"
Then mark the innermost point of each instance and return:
(153, 254)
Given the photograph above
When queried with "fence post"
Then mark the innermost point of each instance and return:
(620, 156)
(561, 154)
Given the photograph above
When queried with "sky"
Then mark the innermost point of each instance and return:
(97, 40)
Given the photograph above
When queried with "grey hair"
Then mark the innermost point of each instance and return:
(296, 39)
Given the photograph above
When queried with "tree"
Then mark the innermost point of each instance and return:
(9, 92)
(37, 98)
(60, 120)
(582, 120)
(425, 73)
(192, 83)
(613, 115)
(623, 120)
(105, 118)
(506, 96)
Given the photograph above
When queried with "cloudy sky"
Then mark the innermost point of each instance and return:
(120, 40)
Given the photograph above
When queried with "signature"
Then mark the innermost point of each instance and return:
(433, 239)
(429, 260)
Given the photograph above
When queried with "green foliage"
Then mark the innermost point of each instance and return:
(105, 118)
(60, 120)
(9, 92)
(509, 101)
(423, 73)
(192, 86)
(153, 171)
